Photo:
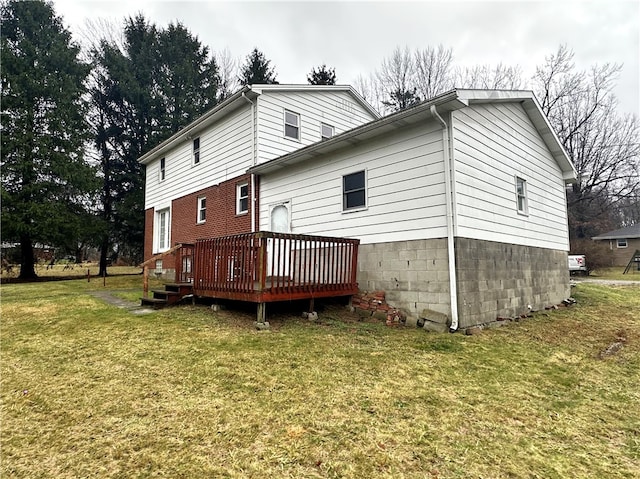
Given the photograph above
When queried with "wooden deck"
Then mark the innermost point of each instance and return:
(265, 267)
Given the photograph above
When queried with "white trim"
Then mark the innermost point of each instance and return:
(331, 127)
(161, 238)
(626, 243)
(524, 195)
(162, 169)
(342, 188)
(200, 209)
(239, 198)
(195, 152)
(297, 126)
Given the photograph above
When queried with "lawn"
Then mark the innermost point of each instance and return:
(90, 390)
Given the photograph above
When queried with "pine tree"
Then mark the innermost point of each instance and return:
(322, 76)
(45, 180)
(256, 70)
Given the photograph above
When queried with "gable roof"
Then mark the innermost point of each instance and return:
(239, 99)
(446, 102)
(628, 232)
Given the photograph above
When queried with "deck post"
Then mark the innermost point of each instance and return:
(145, 281)
(261, 324)
(311, 305)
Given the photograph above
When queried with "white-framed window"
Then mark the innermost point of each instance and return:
(622, 243)
(202, 209)
(292, 125)
(242, 198)
(326, 131)
(521, 196)
(354, 191)
(162, 229)
(196, 151)
(161, 177)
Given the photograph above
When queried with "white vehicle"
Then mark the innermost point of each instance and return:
(578, 264)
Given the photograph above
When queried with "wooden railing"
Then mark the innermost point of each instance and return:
(183, 257)
(266, 266)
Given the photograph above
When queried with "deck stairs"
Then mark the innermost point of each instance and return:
(171, 294)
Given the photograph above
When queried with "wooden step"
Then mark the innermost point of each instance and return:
(155, 303)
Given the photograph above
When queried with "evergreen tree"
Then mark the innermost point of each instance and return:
(142, 93)
(257, 70)
(322, 76)
(401, 99)
(45, 181)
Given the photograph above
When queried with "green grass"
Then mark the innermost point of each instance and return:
(616, 273)
(89, 390)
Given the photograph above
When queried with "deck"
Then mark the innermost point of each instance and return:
(265, 267)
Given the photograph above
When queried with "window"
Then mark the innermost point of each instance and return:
(326, 131)
(353, 191)
(622, 242)
(162, 230)
(196, 151)
(291, 125)
(162, 168)
(202, 209)
(242, 198)
(521, 196)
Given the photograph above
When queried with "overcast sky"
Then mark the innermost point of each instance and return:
(354, 37)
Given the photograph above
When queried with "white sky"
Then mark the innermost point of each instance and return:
(354, 37)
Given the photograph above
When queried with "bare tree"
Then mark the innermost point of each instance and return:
(397, 80)
(602, 144)
(433, 70)
(370, 90)
(228, 69)
(499, 77)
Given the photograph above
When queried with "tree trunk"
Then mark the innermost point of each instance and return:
(27, 262)
(104, 250)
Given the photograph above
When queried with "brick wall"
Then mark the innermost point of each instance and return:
(221, 217)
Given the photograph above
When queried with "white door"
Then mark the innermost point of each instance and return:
(279, 250)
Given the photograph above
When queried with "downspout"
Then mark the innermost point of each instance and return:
(253, 162)
(453, 289)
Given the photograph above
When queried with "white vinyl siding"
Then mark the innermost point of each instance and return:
(337, 109)
(492, 145)
(404, 181)
(227, 147)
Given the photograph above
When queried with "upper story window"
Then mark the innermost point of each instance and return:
(202, 209)
(291, 125)
(521, 196)
(196, 151)
(354, 191)
(622, 242)
(242, 198)
(162, 169)
(326, 131)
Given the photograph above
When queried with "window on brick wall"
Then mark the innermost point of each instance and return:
(622, 243)
(196, 151)
(202, 209)
(242, 198)
(521, 196)
(354, 191)
(162, 230)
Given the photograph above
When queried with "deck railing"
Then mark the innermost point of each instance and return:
(266, 266)
(183, 254)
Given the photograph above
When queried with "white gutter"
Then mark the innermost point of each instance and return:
(253, 162)
(453, 290)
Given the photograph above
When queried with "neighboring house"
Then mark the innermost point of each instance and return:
(197, 185)
(622, 243)
(459, 204)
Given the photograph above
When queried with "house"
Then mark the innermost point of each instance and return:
(197, 184)
(458, 203)
(622, 243)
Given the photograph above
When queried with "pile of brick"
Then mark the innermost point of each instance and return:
(373, 303)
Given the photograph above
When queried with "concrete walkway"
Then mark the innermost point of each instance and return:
(109, 298)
